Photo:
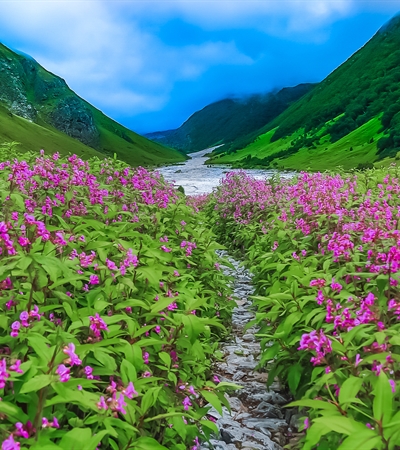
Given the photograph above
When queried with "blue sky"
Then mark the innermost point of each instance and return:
(151, 64)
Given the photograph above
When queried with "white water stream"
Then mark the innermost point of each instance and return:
(197, 178)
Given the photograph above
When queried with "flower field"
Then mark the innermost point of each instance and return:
(325, 253)
(112, 303)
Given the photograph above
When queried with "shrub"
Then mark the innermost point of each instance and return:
(325, 252)
(111, 305)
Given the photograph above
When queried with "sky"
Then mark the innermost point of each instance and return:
(151, 64)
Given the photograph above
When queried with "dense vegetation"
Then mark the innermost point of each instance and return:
(324, 250)
(229, 121)
(39, 110)
(112, 303)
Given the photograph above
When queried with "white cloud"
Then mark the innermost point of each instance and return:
(105, 58)
(110, 54)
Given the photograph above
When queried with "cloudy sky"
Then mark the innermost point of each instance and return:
(151, 64)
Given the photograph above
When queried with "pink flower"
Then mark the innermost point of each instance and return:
(15, 327)
(111, 265)
(358, 360)
(130, 391)
(393, 386)
(47, 424)
(316, 340)
(192, 391)
(94, 279)
(97, 324)
(120, 406)
(318, 283)
(306, 423)
(3, 373)
(89, 372)
(186, 403)
(16, 367)
(216, 379)
(102, 404)
(23, 241)
(10, 444)
(64, 373)
(23, 430)
(73, 358)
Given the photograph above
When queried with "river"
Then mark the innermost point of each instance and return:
(197, 178)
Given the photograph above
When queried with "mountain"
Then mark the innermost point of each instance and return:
(39, 110)
(351, 118)
(227, 120)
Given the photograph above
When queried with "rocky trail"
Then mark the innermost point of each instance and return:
(258, 420)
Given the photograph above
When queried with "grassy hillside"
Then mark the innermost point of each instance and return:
(33, 137)
(357, 106)
(47, 114)
(228, 120)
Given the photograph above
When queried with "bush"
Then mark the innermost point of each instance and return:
(324, 250)
(111, 306)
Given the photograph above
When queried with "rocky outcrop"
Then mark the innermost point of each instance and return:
(72, 117)
(31, 92)
(13, 89)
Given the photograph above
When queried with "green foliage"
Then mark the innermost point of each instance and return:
(112, 306)
(323, 250)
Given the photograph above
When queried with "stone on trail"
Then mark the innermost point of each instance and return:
(257, 419)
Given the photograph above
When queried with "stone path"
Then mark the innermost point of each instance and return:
(258, 420)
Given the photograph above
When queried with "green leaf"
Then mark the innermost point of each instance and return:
(340, 424)
(66, 281)
(36, 383)
(76, 439)
(213, 399)
(96, 439)
(39, 345)
(383, 401)
(105, 359)
(148, 443)
(349, 389)
(314, 434)
(294, 377)
(165, 358)
(128, 371)
(363, 440)
(315, 404)
(13, 412)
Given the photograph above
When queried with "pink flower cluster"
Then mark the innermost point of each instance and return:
(318, 342)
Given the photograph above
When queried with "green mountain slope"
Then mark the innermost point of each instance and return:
(227, 120)
(356, 107)
(41, 111)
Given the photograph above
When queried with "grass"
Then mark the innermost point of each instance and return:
(353, 149)
(358, 147)
(45, 91)
(35, 137)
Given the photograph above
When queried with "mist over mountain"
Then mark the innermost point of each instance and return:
(227, 120)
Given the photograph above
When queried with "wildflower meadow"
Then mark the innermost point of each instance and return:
(325, 253)
(112, 303)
